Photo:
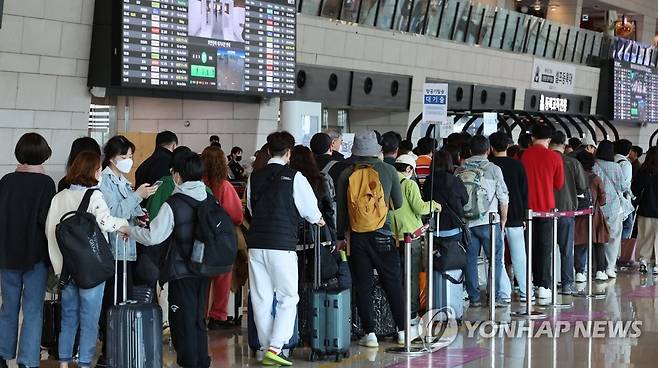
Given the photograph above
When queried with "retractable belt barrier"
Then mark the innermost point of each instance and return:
(539, 214)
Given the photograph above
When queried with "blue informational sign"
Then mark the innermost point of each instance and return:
(435, 107)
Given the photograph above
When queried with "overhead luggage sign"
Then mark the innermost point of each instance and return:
(553, 76)
(435, 107)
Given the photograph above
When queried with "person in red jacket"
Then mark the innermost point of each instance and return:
(215, 167)
(545, 171)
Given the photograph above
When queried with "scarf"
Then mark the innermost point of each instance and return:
(35, 169)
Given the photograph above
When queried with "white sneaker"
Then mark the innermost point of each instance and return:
(401, 338)
(543, 293)
(370, 341)
(580, 277)
(601, 276)
(611, 274)
(655, 270)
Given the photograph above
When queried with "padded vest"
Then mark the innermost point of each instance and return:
(275, 218)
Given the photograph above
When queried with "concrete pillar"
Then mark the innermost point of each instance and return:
(646, 29)
(566, 13)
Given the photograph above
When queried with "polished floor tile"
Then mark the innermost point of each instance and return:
(629, 298)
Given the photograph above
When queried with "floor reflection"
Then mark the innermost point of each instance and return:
(630, 297)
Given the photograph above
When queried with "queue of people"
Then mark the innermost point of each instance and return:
(366, 203)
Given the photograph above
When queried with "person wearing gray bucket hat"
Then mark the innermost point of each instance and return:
(374, 249)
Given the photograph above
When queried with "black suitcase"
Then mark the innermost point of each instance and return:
(134, 332)
(52, 310)
(383, 318)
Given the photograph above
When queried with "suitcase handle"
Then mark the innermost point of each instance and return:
(116, 269)
(317, 278)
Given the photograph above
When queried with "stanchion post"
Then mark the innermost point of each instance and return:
(590, 253)
(528, 313)
(492, 266)
(556, 252)
(407, 349)
(434, 228)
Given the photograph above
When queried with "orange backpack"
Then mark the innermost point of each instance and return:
(366, 205)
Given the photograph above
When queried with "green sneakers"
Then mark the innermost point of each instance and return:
(271, 359)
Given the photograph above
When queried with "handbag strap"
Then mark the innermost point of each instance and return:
(452, 279)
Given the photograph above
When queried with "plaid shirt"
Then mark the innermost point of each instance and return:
(614, 184)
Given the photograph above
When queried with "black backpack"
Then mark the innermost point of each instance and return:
(585, 200)
(86, 253)
(215, 243)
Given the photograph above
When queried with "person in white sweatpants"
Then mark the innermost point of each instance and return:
(272, 242)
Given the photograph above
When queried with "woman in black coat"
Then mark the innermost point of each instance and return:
(449, 191)
(25, 197)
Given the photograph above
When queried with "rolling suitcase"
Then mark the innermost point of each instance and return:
(331, 309)
(449, 291)
(134, 331)
(52, 310)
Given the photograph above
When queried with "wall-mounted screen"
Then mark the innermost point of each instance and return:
(635, 92)
(235, 46)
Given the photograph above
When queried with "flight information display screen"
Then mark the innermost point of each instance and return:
(635, 89)
(241, 46)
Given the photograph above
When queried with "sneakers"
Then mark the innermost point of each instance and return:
(401, 338)
(655, 270)
(543, 293)
(370, 341)
(475, 304)
(580, 277)
(523, 299)
(611, 273)
(271, 358)
(601, 276)
(569, 289)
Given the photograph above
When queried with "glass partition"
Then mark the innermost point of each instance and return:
(486, 25)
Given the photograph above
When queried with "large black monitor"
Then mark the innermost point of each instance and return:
(632, 92)
(197, 47)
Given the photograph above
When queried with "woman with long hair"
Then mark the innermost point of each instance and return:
(303, 160)
(25, 197)
(262, 157)
(645, 188)
(613, 181)
(215, 167)
(80, 307)
(600, 234)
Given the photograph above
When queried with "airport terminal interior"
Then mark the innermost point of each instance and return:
(387, 112)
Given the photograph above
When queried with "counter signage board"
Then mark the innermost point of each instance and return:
(553, 76)
(435, 107)
(490, 123)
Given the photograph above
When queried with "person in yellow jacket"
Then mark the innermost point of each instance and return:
(407, 219)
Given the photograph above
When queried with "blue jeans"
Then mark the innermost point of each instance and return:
(517, 248)
(627, 231)
(80, 307)
(565, 233)
(26, 289)
(480, 239)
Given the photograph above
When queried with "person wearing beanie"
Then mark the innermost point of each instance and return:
(374, 249)
(321, 144)
(615, 186)
(545, 171)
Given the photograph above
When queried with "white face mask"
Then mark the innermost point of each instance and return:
(124, 165)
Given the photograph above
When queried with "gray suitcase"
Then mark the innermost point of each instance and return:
(449, 291)
(330, 315)
(134, 332)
